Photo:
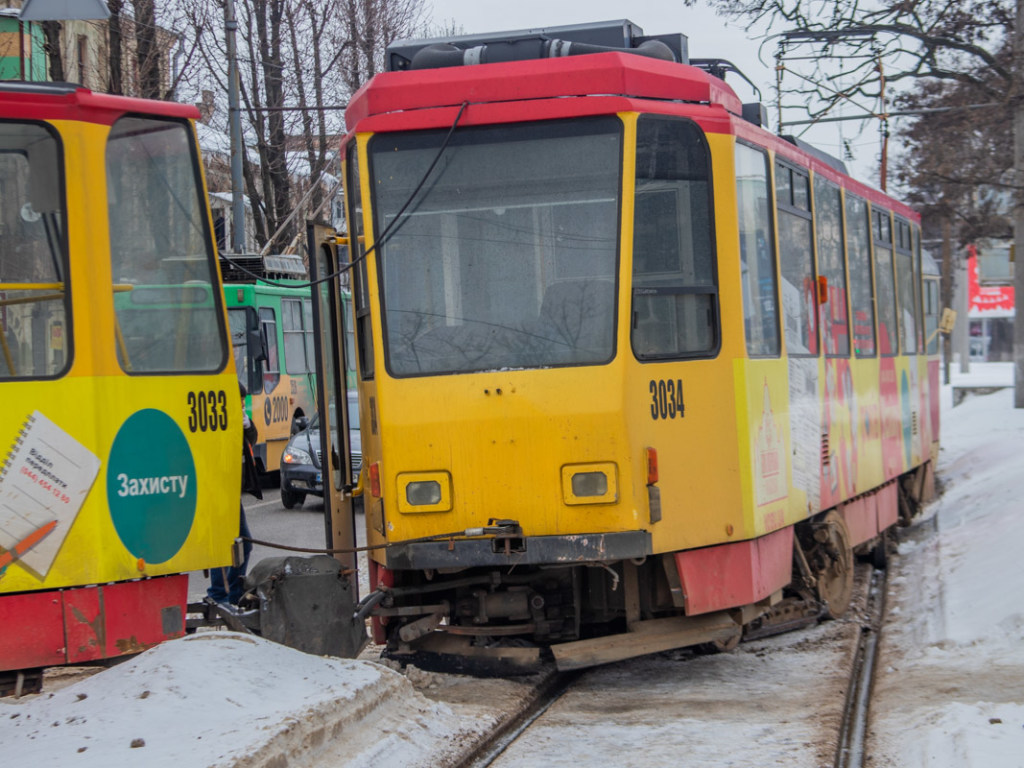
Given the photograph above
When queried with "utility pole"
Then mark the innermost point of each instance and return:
(235, 124)
(1017, 90)
(946, 287)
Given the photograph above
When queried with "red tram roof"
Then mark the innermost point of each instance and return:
(542, 89)
(67, 101)
(598, 74)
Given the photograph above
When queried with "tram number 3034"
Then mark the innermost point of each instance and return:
(667, 399)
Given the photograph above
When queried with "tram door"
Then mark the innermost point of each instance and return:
(331, 394)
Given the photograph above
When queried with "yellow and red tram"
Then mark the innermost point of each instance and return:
(121, 425)
(633, 371)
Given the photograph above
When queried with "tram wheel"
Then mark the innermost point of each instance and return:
(726, 645)
(880, 552)
(831, 559)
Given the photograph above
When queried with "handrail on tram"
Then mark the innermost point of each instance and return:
(59, 288)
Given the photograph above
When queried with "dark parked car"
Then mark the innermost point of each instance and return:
(301, 465)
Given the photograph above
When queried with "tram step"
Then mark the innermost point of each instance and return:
(645, 637)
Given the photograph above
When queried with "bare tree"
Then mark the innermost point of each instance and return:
(147, 52)
(914, 38)
(52, 46)
(115, 35)
(300, 61)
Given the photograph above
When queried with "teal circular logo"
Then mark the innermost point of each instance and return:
(151, 485)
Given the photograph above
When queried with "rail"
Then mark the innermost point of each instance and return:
(850, 752)
(489, 749)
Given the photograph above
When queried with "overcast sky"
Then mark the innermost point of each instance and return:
(709, 35)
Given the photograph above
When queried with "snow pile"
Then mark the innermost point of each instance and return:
(950, 686)
(227, 699)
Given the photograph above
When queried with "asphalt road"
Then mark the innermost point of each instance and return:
(270, 521)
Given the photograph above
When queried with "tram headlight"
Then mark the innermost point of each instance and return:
(590, 483)
(424, 492)
(293, 455)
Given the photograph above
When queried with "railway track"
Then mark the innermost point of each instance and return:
(485, 752)
(850, 752)
(841, 735)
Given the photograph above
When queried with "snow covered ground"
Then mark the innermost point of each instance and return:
(950, 685)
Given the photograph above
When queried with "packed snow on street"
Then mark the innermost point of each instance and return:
(949, 688)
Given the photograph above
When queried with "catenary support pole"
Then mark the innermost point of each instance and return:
(1018, 208)
(235, 126)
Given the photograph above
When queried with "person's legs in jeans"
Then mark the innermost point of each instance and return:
(235, 576)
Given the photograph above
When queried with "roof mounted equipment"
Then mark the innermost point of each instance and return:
(550, 42)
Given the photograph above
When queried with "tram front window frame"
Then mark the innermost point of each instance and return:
(509, 255)
(35, 304)
(675, 281)
(168, 310)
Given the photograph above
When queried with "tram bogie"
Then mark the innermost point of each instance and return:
(634, 373)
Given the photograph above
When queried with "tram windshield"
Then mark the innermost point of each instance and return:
(159, 239)
(507, 255)
(34, 337)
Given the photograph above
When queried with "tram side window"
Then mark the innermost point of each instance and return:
(35, 333)
(919, 288)
(357, 249)
(297, 327)
(885, 286)
(167, 313)
(835, 327)
(905, 279)
(858, 256)
(307, 324)
(674, 287)
(240, 321)
(757, 255)
(796, 260)
(272, 365)
(931, 315)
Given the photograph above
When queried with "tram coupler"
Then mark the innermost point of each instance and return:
(498, 528)
(508, 535)
(306, 603)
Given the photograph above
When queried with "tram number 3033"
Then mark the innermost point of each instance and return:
(667, 399)
(207, 411)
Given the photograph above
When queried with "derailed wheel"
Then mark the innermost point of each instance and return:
(831, 561)
(727, 643)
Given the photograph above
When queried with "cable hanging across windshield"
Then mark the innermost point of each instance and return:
(388, 232)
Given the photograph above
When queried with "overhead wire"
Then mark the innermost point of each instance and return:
(385, 235)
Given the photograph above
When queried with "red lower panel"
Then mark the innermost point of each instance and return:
(97, 622)
(731, 575)
(84, 618)
(129, 617)
(31, 630)
(861, 516)
(888, 506)
(868, 515)
(380, 576)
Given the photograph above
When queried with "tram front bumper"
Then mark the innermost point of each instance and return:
(527, 550)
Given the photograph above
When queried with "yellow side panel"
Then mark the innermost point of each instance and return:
(159, 498)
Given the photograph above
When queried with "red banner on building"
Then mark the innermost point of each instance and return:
(986, 300)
